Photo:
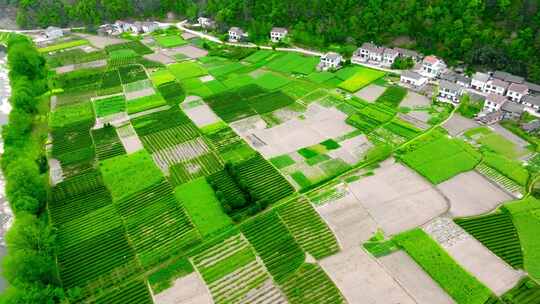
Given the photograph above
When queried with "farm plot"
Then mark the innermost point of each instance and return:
(526, 291)
(471, 194)
(274, 244)
(136, 46)
(495, 142)
(63, 45)
(125, 175)
(504, 182)
(204, 165)
(203, 207)
(457, 282)
(107, 143)
(172, 92)
(525, 215)
(170, 137)
(392, 96)
(438, 158)
(158, 121)
(187, 69)
(162, 76)
(129, 138)
(271, 81)
(122, 57)
(169, 41)
(233, 273)
(73, 144)
(361, 78)
(200, 113)
(308, 229)
(310, 284)
(370, 93)
(73, 57)
(72, 114)
(109, 105)
(510, 168)
(82, 80)
(145, 103)
(156, 224)
(294, 63)
(110, 83)
(135, 292)
(185, 151)
(370, 117)
(497, 232)
(132, 73)
(231, 147)
(188, 289)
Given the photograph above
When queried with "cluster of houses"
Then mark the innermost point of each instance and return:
(120, 26)
(236, 34)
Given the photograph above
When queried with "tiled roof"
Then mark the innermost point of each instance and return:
(411, 74)
(495, 98)
(517, 87)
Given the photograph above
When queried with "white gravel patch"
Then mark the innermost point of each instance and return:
(414, 100)
(361, 279)
(55, 171)
(474, 257)
(186, 290)
(370, 93)
(206, 78)
(470, 193)
(414, 279)
(398, 198)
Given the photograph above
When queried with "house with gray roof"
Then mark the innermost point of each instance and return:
(494, 102)
(491, 117)
(463, 80)
(512, 110)
(236, 34)
(53, 32)
(504, 76)
(532, 102)
(449, 91)
(413, 79)
(368, 52)
(278, 33)
(533, 87)
(496, 86)
(389, 56)
(406, 53)
(330, 61)
(516, 91)
(479, 81)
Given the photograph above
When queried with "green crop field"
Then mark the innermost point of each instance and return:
(458, 283)
(145, 103)
(169, 41)
(361, 78)
(63, 45)
(110, 105)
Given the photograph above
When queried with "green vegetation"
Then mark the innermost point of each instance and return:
(378, 246)
(135, 46)
(458, 283)
(169, 41)
(525, 215)
(392, 96)
(510, 168)
(469, 108)
(63, 45)
(495, 142)
(203, 207)
(126, 174)
(497, 232)
(526, 291)
(360, 79)
(107, 143)
(160, 77)
(145, 103)
(282, 161)
(187, 69)
(69, 115)
(163, 278)
(110, 105)
(438, 158)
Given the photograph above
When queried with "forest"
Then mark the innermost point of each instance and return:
(495, 34)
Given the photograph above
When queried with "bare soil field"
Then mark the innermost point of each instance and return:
(130, 140)
(398, 198)
(470, 193)
(414, 100)
(474, 257)
(459, 124)
(201, 115)
(370, 93)
(101, 41)
(186, 290)
(188, 50)
(361, 279)
(160, 57)
(414, 279)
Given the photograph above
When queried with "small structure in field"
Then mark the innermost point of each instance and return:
(206, 23)
(516, 91)
(432, 67)
(236, 34)
(413, 78)
(330, 61)
(278, 33)
(494, 103)
(53, 32)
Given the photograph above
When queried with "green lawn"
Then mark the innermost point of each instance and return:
(63, 45)
(203, 207)
(169, 41)
(495, 142)
(145, 103)
(187, 69)
(127, 174)
(161, 76)
(360, 79)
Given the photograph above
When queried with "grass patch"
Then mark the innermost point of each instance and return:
(203, 207)
(162, 76)
(145, 103)
(186, 69)
(360, 79)
(282, 161)
(68, 115)
(110, 105)
(126, 174)
(63, 45)
(392, 96)
(169, 41)
(271, 81)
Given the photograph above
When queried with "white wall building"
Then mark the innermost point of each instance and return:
(516, 91)
(413, 79)
(531, 102)
(389, 56)
(53, 32)
(479, 81)
(449, 91)
(432, 67)
(278, 33)
(236, 34)
(494, 102)
(329, 61)
(496, 86)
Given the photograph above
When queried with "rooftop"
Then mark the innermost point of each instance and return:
(236, 30)
(431, 59)
(483, 77)
(532, 99)
(449, 85)
(407, 52)
(499, 83)
(332, 56)
(495, 98)
(507, 77)
(281, 30)
(518, 87)
(372, 47)
(533, 86)
(513, 107)
(411, 74)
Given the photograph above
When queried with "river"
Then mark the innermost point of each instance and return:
(6, 216)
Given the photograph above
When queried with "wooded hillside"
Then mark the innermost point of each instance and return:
(499, 34)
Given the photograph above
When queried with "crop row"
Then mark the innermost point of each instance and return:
(158, 121)
(310, 284)
(274, 244)
(179, 153)
(203, 165)
(107, 143)
(78, 205)
(169, 137)
(135, 292)
(501, 180)
(308, 229)
(497, 232)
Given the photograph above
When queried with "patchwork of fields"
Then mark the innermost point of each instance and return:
(215, 177)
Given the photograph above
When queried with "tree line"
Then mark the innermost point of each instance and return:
(495, 34)
(29, 265)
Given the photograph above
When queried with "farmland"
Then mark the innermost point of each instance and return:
(205, 175)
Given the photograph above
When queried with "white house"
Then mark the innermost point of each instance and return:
(368, 51)
(413, 78)
(330, 60)
(236, 34)
(53, 32)
(406, 53)
(463, 80)
(149, 26)
(432, 66)
(516, 91)
(512, 110)
(494, 102)
(206, 23)
(136, 27)
(479, 81)
(496, 86)
(532, 102)
(122, 26)
(449, 91)
(278, 33)
(389, 56)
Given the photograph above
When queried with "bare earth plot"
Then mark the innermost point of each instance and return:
(459, 124)
(202, 115)
(362, 280)
(414, 279)
(414, 100)
(470, 193)
(188, 50)
(398, 198)
(370, 93)
(160, 57)
(319, 125)
(101, 41)
(418, 118)
(473, 256)
(509, 135)
(349, 221)
(186, 290)
(130, 140)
